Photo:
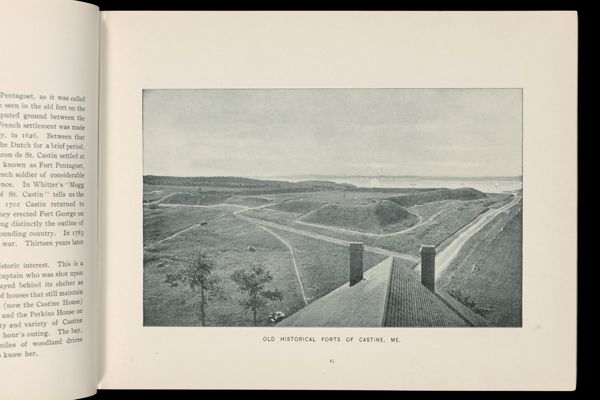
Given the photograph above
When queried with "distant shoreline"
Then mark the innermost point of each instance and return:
(333, 177)
(298, 183)
(390, 177)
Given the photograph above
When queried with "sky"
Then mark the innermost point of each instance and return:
(365, 132)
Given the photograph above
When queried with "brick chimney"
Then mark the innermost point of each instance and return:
(356, 263)
(428, 267)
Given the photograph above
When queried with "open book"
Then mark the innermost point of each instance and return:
(348, 200)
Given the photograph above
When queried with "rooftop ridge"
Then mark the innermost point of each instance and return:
(410, 304)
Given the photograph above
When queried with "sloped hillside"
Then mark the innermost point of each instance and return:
(382, 216)
(298, 206)
(248, 201)
(431, 196)
(200, 198)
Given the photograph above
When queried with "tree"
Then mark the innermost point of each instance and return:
(252, 282)
(199, 275)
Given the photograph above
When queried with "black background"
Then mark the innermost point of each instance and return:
(587, 21)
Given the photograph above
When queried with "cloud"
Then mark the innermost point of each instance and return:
(337, 131)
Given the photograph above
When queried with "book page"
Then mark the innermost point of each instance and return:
(48, 199)
(349, 200)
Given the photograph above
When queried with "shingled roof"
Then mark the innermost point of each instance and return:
(411, 304)
(390, 295)
(362, 304)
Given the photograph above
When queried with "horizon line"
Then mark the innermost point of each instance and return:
(343, 176)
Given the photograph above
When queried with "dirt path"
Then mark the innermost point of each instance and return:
(442, 260)
(186, 229)
(324, 238)
(200, 206)
(236, 213)
(179, 232)
(263, 223)
(369, 234)
(445, 257)
(293, 260)
(244, 208)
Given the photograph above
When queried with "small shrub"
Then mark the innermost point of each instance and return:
(252, 283)
(468, 301)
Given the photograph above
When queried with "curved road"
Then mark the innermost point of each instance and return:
(445, 257)
(370, 234)
(324, 238)
(293, 260)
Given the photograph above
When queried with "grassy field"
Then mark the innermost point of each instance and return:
(291, 219)
(247, 201)
(226, 239)
(298, 206)
(334, 196)
(454, 215)
(156, 192)
(323, 266)
(165, 221)
(236, 243)
(426, 211)
(412, 199)
(380, 217)
(487, 274)
(497, 200)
